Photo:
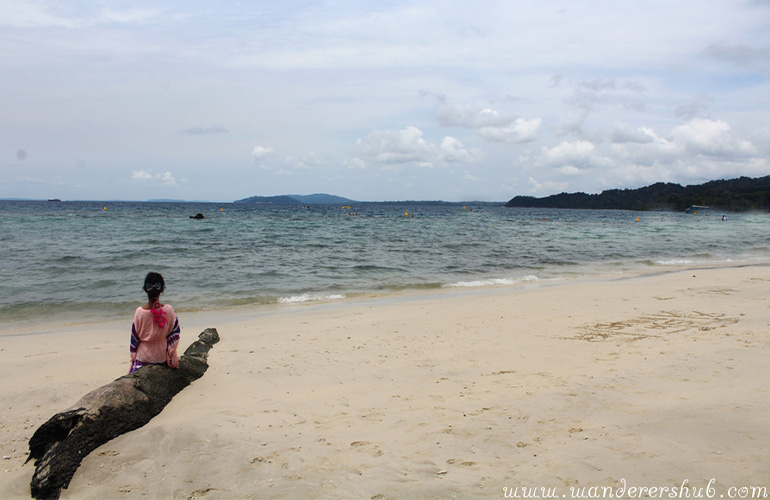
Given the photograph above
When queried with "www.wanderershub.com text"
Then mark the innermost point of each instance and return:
(623, 490)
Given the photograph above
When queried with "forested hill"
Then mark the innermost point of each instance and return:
(296, 199)
(742, 194)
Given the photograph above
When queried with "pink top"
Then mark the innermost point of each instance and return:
(154, 337)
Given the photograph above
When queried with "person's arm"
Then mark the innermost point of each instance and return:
(133, 346)
(172, 341)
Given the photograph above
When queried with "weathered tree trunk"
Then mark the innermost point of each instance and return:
(125, 404)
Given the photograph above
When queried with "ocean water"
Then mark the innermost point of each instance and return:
(87, 260)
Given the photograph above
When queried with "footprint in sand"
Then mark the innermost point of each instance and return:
(375, 451)
(199, 493)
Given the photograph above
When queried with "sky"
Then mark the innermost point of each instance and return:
(387, 100)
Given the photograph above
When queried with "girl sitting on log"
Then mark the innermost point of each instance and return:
(155, 332)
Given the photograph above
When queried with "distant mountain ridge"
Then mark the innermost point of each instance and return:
(298, 199)
(736, 195)
(275, 200)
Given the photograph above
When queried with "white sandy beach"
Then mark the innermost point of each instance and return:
(647, 381)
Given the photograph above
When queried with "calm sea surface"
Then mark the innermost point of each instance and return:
(88, 259)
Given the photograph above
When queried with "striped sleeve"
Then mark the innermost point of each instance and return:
(172, 339)
(134, 341)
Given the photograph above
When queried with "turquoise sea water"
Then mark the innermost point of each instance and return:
(76, 259)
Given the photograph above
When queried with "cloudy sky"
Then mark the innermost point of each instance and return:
(385, 100)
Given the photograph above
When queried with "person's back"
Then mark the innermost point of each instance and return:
(155, 330)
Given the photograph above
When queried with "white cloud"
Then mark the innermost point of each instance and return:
(309, 162)
(141, 175)
(622, 134)
(700, 150)
(452, 150)
(355, 164)
(261, 151)
(492, 125)
(546, 186)
(569, 170)
(577, 153)
(710, 137)
(396, 149)
(144, 176)
(518, 131)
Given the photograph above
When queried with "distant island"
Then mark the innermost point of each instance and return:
(735, 195)
(297, 199)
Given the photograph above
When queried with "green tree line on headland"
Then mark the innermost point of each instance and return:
(735, 195)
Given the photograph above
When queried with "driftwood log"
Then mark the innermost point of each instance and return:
(125, 404)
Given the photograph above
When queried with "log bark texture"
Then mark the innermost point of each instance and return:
(125, 404)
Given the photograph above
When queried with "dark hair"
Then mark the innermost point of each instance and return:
(154, 285)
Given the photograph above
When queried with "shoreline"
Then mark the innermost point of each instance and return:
(449, 393)
(491, 285)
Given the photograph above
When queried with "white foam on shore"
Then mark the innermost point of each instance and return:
(674, 262)
(308, 297)
(492, 282)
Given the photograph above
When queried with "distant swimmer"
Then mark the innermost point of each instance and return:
(724, 217)
(197, 216)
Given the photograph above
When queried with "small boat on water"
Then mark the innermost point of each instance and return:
(54, 199)
(693, 209)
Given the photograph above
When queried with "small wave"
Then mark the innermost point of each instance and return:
(674, 262)
(308, 297)
(376, 269)
(492, 282)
